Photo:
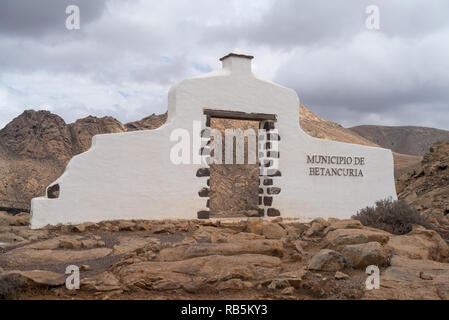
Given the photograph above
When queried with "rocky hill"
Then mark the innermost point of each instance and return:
(36, 146)
(427, 188)
(406, 139)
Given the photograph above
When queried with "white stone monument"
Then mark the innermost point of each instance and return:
(131, 175)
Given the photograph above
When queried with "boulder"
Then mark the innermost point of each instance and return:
(362, 255)
(339, 238)
(39, 277)
(39, 255)
(126, 225)
(420, 244)
(267, 247)
(402, 281)
(105, 281)
(21, 219)
(200, 273)
(269, 229)
(317, 227)
(343, 224)
(273, 231)
(327, 260)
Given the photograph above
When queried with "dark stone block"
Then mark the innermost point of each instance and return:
(268, 145)
(272, 212)
(208, 203)
(260, 201)
(203, 214)
(273, 137)
(273, 190)
(260, 190)
(203, 172)
(204, 192)
(268, 182)
(268, 201)
(268, 125)
(261, 212)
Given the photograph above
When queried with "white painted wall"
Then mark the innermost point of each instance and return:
(130, 175)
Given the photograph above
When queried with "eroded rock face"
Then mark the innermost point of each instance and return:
(362, 255)
(339, 238)
(268, 247)
(420, 244)
(427, 188)
(327, 260)
(198, 273)
(402, 280)
(38, 134)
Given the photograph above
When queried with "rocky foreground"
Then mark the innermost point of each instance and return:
(226, 259)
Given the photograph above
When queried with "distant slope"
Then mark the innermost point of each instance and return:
(320, 128)
(406, 139)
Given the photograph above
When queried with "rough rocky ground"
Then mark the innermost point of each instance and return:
(220, 259)
(427, 187)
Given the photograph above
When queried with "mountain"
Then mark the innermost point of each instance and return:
(321, 128)
(406, 140)
(427, 187)
(36, 146)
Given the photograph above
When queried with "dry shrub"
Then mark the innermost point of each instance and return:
(396, 217)
(11, 287)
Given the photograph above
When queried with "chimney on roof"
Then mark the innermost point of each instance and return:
(237, 62)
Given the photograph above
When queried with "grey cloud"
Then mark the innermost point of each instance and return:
(343, 72)
(35, 18)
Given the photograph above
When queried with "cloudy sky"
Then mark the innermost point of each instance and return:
(126, 54)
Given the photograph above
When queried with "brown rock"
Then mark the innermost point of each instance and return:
(327, 260)
(365, 254)
(401, 281)
(339, 238)
(268, 247)
(39, 277)
(273, 231)
(199, 273)
(126, 225)
(105, 281)
(420, 244)
(341, 276)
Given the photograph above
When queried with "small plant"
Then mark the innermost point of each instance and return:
(11, 287)
(396, 217)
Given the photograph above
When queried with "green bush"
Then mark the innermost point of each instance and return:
(396, 217)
